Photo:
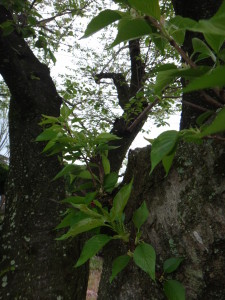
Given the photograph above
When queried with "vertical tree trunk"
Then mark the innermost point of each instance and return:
(43, 266)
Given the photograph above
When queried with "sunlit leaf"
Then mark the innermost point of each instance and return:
(148, 7)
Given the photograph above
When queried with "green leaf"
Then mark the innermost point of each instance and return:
(218, 124)
(105, 137)
(87, 211)
(168, 160)
(85, 175)
(110, 180)
(166, 77)
(129, 29)
(201, 47)
(145, 258)
(71, 219)
(119, 264)
(74, 200)
(66, 170)
(174, 290)
(7, 27)
(104, 19)
(171, 264)
(162, 146)
(83, 225)
(214, 41)
(120, 200)
(203, 117)
(140, 215)
(221, 10)
(91, 247)
(215, 26)
(148, 7)
(213, 79)
(46, 135)
(106, 164)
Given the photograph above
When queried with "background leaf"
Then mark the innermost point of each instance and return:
(174, 290)
(140, 215)
(171, 264)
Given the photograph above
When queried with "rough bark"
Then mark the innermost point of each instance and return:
(43, 266)
(187, 218)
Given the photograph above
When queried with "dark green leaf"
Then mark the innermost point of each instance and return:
(140, 215)
(91, 247)
(171, 264)
(168, 160)
(145, 258)
(129, 29)
(119, 264)
(174, 290)
(66, 170)
(71, 219)
(203, 117)
(104, 19)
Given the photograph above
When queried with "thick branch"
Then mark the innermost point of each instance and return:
(121, 86)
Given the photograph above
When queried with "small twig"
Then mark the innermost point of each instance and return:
(211, 100)
(32, 4)
(172, 42)
(186, 58)
(90, 171)
(215, 137)
(195, 106)
(143, 114)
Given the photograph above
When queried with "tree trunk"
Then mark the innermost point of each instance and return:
(186, 219)
(195, 10)
(43, 266)
(187, 212)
